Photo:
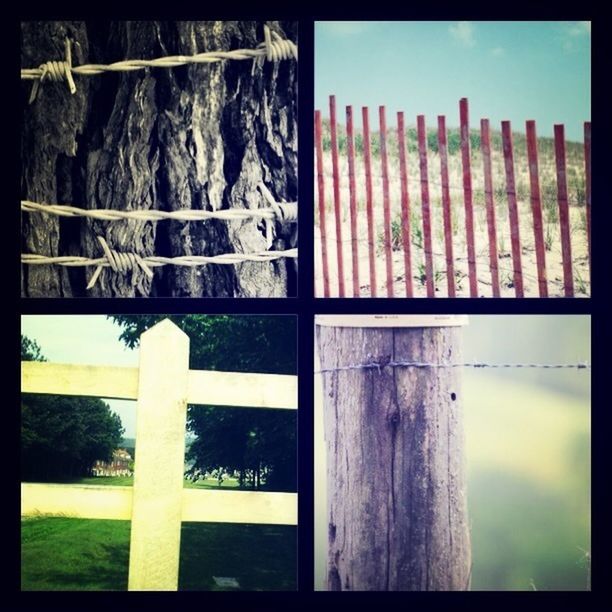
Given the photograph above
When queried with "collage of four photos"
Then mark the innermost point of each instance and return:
(405, 405)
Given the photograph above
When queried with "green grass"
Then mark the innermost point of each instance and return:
(128, 481)
(82, 554)
(528, 466)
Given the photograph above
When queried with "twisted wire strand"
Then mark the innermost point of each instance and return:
(282, 212)
(274, 48)
(420, 365)
(126, 262)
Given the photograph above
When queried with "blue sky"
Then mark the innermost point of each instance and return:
(85, 340)
(508, 70)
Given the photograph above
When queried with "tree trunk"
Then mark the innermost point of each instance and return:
(397, 515)
(192, 137)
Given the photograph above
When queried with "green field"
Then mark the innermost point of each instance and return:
(80, 554)
(128, 481)
(528, 452)
(92, 555)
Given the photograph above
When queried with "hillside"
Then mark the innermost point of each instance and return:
(550, 210)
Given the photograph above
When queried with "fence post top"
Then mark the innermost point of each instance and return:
(165, 328)
(391, 320)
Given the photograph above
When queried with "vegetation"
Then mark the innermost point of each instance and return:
(252, 441)
(62, 436)
(81, 554)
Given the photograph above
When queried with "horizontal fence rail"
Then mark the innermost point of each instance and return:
(115, 503)
(496, 219)
(211, 388)
(156, 505)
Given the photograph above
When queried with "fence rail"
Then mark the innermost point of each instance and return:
(443, 261)
(163, 385)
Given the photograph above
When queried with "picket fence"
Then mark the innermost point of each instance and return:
(449, 256)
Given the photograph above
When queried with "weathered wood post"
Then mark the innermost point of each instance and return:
(397, 512)
(160, 455)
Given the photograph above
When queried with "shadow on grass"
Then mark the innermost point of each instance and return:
(83, 554)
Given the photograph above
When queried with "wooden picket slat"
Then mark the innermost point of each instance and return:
(198, 505)
(425, 206)
(321, 194)
(467, 195)
(367, 160)
(386, 200)
(485, 146)
(564, 220)
(352, 199)
(536, 206)
(405, 196)
(337, 204)
(446, 206)
(515, 236)
(587, 171)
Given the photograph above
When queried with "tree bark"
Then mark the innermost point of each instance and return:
(397, 513)
(193, 137)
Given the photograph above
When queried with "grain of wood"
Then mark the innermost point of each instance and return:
(83, 380)
(161, 416)
(397, 515)
(204, 387)
(200, 506)
(241, 389)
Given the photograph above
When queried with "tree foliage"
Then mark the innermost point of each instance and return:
(237, 439)
(62, 436)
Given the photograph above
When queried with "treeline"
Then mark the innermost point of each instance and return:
(62, 436)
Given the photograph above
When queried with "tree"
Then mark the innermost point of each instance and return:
(191, 137)
(61, 437)
(251, 440)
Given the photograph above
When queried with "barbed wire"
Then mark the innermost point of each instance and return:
(274, 48)
(126, 262)
(379, 366)
(283, 212)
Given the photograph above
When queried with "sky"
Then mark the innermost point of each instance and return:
(508, 71)
(85, 340)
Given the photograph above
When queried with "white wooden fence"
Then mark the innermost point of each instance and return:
(163, 385)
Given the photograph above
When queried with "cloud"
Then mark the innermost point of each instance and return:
(573, 32)
(498, 51)
(344, 28)
(579, 28)
(463, 33)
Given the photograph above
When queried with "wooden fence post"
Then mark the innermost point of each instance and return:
(397, 513)
(160, 455)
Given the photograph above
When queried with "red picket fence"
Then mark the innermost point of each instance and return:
(448, 256)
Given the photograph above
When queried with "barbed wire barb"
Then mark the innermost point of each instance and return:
(274, 48)
(474, 364)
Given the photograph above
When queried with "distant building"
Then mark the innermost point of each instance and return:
(118, 466)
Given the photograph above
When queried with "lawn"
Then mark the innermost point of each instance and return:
(83, 554)
(128, 481)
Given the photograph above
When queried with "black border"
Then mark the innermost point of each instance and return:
(306, 306)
